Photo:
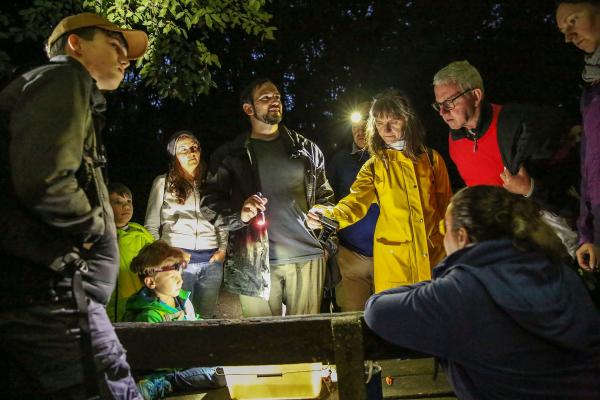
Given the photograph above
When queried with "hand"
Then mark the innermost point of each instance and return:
(313, 218)
(87, 246)
(517, 184)
(218, 256)
(252, 206)
(587, 256)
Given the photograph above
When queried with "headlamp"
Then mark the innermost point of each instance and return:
(356, 117)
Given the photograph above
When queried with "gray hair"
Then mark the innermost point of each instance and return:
(460, 73)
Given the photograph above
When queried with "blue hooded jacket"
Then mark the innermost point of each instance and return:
(506, 324)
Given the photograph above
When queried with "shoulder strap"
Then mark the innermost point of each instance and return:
(429, 152)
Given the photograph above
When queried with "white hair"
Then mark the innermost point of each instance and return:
(460, 73)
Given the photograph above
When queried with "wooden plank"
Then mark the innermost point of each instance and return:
(250, 341)
(349, 360)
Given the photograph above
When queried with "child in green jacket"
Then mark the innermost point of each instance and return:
(159, 267)
(132, 238)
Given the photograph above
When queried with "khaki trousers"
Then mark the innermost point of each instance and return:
(356, 285)
(299, 286)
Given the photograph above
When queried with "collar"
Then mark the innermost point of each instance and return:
(97, 98)
(398, 145)
(485, 119)
(359, 154)
(355, 148)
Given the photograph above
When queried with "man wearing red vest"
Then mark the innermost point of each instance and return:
(512, 145)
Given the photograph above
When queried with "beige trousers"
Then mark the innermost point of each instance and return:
(356, 285)
(299, 286)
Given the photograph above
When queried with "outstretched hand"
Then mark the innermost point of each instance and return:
(517, 184)
(313, 217)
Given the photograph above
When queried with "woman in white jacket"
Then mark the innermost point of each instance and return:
(173, 215)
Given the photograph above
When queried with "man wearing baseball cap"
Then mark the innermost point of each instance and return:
(58, 239)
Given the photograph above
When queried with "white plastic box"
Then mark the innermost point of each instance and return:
(287, 381)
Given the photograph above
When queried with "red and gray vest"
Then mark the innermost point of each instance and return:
(478, 160)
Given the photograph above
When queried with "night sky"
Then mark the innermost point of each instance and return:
(328, 56)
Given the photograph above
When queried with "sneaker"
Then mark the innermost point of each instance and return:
(154, 388)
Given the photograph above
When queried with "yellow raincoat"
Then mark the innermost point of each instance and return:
(412, 197)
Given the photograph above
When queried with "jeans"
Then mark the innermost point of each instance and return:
(203, 280)
(43, 357)
(196, 378)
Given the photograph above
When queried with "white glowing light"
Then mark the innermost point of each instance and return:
(356, 117)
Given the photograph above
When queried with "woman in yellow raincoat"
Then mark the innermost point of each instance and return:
(410, 183)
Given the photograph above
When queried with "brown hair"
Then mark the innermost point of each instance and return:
(152, 256)
(491, 212)
(395, 104)
(120, 189)
(177, 183)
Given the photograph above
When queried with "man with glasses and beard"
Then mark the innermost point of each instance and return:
(260, 187)
(516, 146)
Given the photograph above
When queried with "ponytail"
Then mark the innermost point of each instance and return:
(491, 213)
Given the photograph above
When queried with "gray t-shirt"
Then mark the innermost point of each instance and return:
(282, 182)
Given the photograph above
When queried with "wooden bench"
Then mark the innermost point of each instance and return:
(342, 339)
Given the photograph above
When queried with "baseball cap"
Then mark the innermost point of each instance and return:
(137, 41)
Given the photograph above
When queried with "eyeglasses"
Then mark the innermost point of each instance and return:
(180, 266)
(188, 150)
(442, 226)
(448, 104)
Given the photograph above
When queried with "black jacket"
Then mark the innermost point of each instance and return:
(53, 195)
(232, 178)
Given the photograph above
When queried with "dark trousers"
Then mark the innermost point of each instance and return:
(44, 359)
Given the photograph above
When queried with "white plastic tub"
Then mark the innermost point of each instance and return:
(287, 381)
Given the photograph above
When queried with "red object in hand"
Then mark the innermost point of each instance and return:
(389, 380)
(260, 218)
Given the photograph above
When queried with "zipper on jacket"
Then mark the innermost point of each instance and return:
(474, 138)
(196, 206)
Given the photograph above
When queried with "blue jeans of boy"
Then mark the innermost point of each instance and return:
(203, 280)
(196, 378)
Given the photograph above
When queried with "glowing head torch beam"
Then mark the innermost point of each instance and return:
(356, 117)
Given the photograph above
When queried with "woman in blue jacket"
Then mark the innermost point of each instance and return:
(504, 314)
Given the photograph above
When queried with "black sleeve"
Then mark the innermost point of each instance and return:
(429, 317)
(215, 204)
(535, 136)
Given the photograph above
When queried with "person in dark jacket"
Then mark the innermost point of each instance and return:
(272, 256)
(506, 317)
(355, 251)
(512, 145)
(58, 241)
(579, 21)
